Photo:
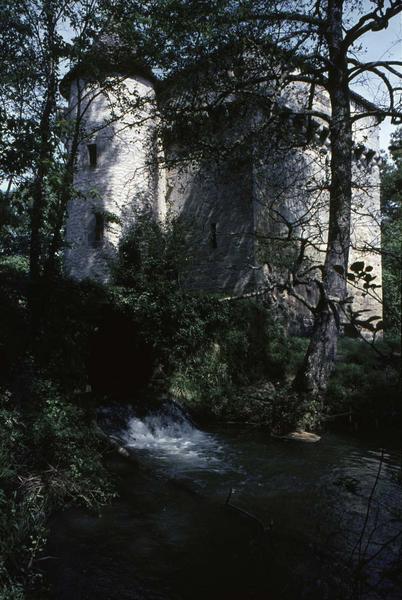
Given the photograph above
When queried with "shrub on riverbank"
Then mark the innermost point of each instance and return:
(205, 346)
(365, 387)
(367, 382)
(50, 458)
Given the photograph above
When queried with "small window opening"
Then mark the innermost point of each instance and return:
(93, 154)
(99, 228)
(214, 242)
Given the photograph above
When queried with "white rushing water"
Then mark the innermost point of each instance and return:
(168, 435)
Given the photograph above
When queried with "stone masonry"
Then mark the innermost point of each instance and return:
(235, 214)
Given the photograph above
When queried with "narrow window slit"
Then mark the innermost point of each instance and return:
(214, 242)
(93, 154)
(99, 227)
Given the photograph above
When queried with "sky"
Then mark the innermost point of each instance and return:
(381, 45)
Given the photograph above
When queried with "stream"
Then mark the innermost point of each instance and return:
(233, 513)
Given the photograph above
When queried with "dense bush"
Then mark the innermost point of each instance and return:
(151, 254)
(206, 347)
(367, 382)
(245, 345)
(50, 457)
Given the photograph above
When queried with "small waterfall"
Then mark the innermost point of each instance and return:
(166, 434)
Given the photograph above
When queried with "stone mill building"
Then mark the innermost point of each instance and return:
(240, 210)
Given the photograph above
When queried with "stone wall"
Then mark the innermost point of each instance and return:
(240, 215)
(118, 118)
(292, 202)
(215, 204)
(366, 217)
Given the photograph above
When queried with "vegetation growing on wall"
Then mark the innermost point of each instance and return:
(200, 342)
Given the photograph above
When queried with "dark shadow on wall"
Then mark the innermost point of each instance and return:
(215, 206)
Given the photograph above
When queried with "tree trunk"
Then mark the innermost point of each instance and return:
(51, 268)
(39, 201)
(45, 150)
(320, 357)
(37, 296)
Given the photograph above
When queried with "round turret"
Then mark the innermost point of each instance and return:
(112, 99)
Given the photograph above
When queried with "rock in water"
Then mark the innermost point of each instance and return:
(300, 436)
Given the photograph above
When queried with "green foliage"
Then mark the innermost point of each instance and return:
(243, 373)
(217, 356)
(17, 265)
(391, 277)
(50, 457)
(206, 346)
(14, 223)
(151, 254)
(366, 383)
(391, 199)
